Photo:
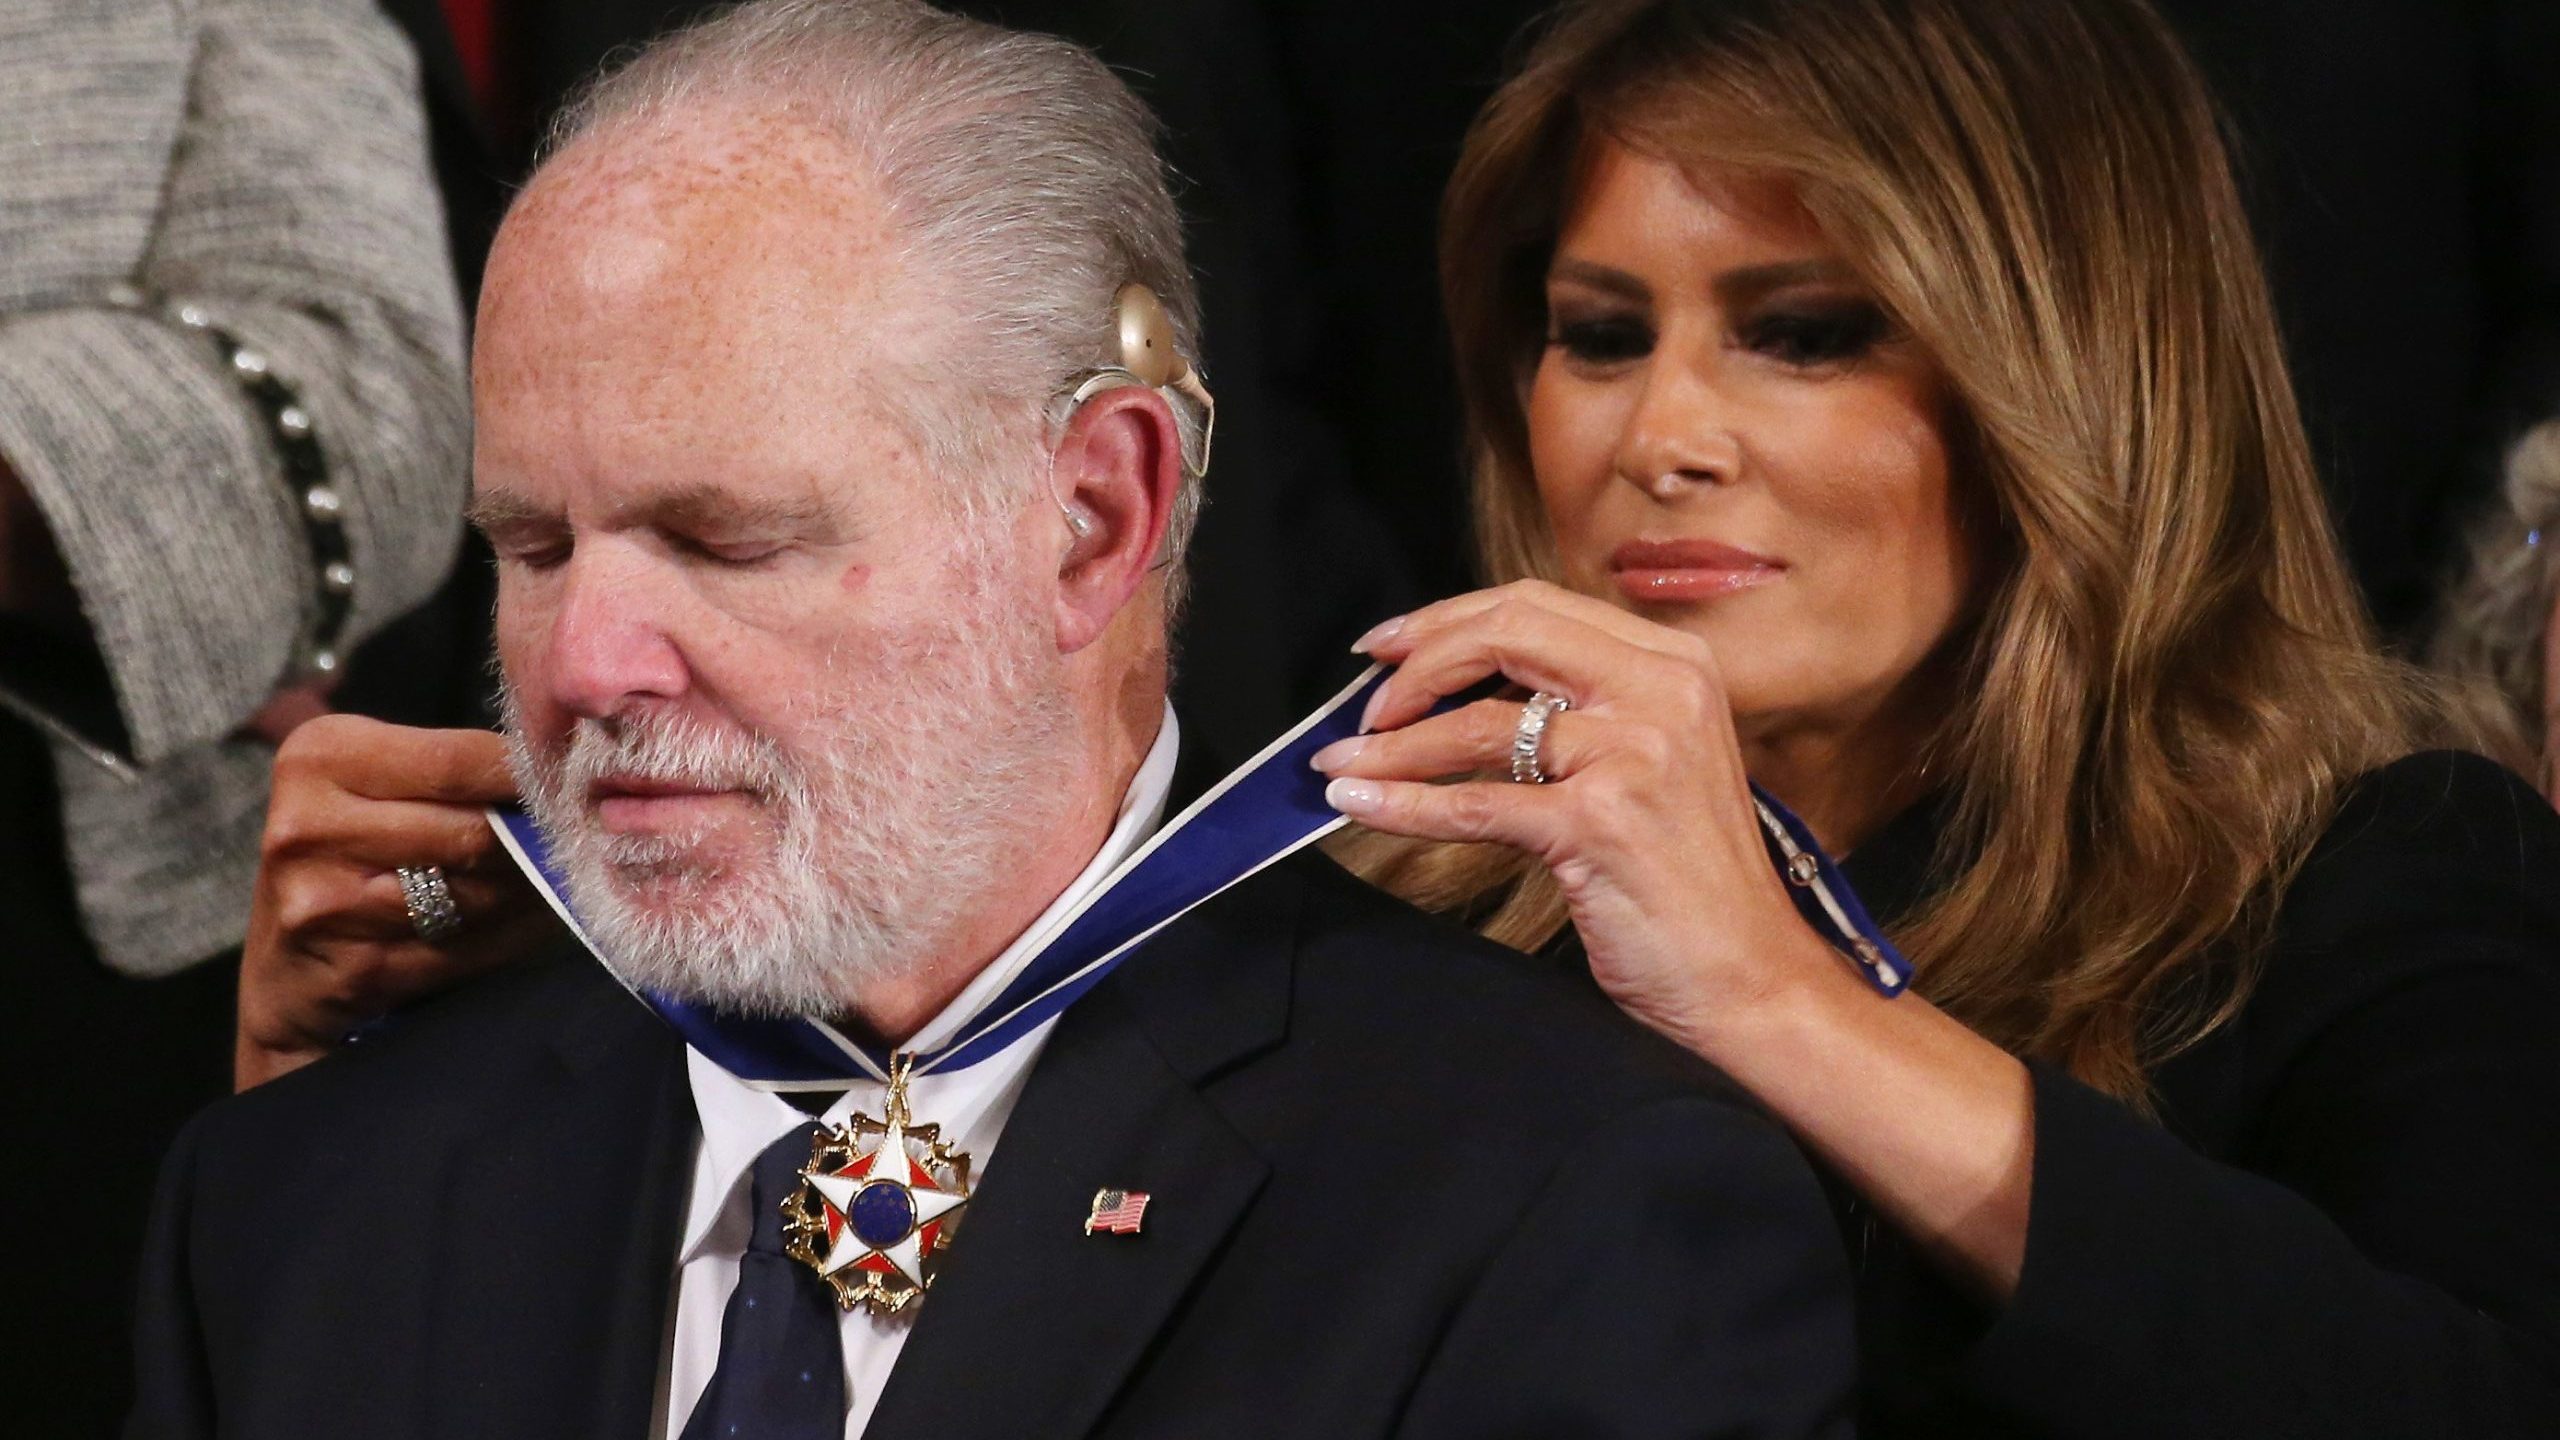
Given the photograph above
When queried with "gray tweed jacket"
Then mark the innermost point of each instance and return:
(264, 163)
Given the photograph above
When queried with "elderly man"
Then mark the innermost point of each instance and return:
(833, 590)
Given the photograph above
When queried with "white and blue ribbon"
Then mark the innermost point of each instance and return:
(1823, 897)
(1257, 816)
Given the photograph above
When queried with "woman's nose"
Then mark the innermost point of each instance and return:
(1679, 437)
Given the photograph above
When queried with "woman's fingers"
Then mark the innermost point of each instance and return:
(1525, 817)
(1392, 640)
(331, 941)
(1473, 739)
(1646, 747)
(394, 972)
(1523, 641)
(283, 1028)
(332, 946)
(396, 762)
(330, 848)
(1542, 649)
(493, 891)
(321, 903)
(384, 834)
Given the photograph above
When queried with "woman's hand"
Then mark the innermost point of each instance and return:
(1648, 825)
(1647, 821)
(330, 942)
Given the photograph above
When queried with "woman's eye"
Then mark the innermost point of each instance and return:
(1825, 335)
(1603, 342)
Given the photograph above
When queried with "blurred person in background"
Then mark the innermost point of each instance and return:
(232, 445)
(2496, 628)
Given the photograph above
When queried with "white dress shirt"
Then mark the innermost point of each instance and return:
(971, 1106)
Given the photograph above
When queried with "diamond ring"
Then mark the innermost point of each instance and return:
(432, 912)
(1531, 733)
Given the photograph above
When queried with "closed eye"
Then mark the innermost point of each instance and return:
(534, 547)
(740, 553)
(538, 557)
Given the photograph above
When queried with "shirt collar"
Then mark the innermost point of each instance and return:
(739, 1120)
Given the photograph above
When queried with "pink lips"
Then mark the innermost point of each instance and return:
(1663, 570)
(625, 804)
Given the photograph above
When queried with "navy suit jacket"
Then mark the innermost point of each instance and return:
(1405, 1183)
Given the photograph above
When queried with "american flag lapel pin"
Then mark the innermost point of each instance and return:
(1116, 1212)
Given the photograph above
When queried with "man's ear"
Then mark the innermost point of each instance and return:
(1115, 475)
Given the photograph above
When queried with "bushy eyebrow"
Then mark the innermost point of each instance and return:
(683, 509)
(706, 509)
(493, 512)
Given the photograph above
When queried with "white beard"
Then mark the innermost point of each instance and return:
(932, 785)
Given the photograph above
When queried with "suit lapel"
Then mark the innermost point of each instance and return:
(1033, 1323)
(561, 1226)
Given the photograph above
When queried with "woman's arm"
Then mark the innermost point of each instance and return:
(2367, 1284)
(269, 170)
(331, 947)
(2379, 1255)
(1651, 832)
(1933, 1124)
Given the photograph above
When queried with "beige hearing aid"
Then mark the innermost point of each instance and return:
(1150, 357)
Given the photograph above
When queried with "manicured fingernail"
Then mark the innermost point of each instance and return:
(1379, 634)
(1369, 712)
(1338, 754)
(1353, 797)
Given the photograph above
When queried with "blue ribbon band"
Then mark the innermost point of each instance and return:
(1265, 811)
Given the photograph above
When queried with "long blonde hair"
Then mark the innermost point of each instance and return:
(2170, 677)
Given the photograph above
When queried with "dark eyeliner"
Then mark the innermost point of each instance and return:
(1602, 341)
(1818, 334)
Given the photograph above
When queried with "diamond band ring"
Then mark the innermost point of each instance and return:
(432, 912)
(1531, 733)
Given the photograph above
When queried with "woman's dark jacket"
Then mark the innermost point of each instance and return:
(2345, 1222)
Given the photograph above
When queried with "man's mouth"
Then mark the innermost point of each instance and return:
(632, 804)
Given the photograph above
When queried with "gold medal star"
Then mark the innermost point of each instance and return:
(871, 1220)
(884, 1204)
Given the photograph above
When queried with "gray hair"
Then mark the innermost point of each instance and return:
(1019, 171)
(2491, 630)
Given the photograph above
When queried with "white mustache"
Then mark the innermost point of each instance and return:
(672, 750)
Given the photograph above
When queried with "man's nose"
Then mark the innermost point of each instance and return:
(610, 641)
(1681, 433)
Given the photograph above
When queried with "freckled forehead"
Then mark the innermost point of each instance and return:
(719, 297)
(711, 204)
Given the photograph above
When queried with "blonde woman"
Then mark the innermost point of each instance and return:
(2497, 627)
(1879, 399)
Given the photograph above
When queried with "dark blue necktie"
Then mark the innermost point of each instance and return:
(781, 1371)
